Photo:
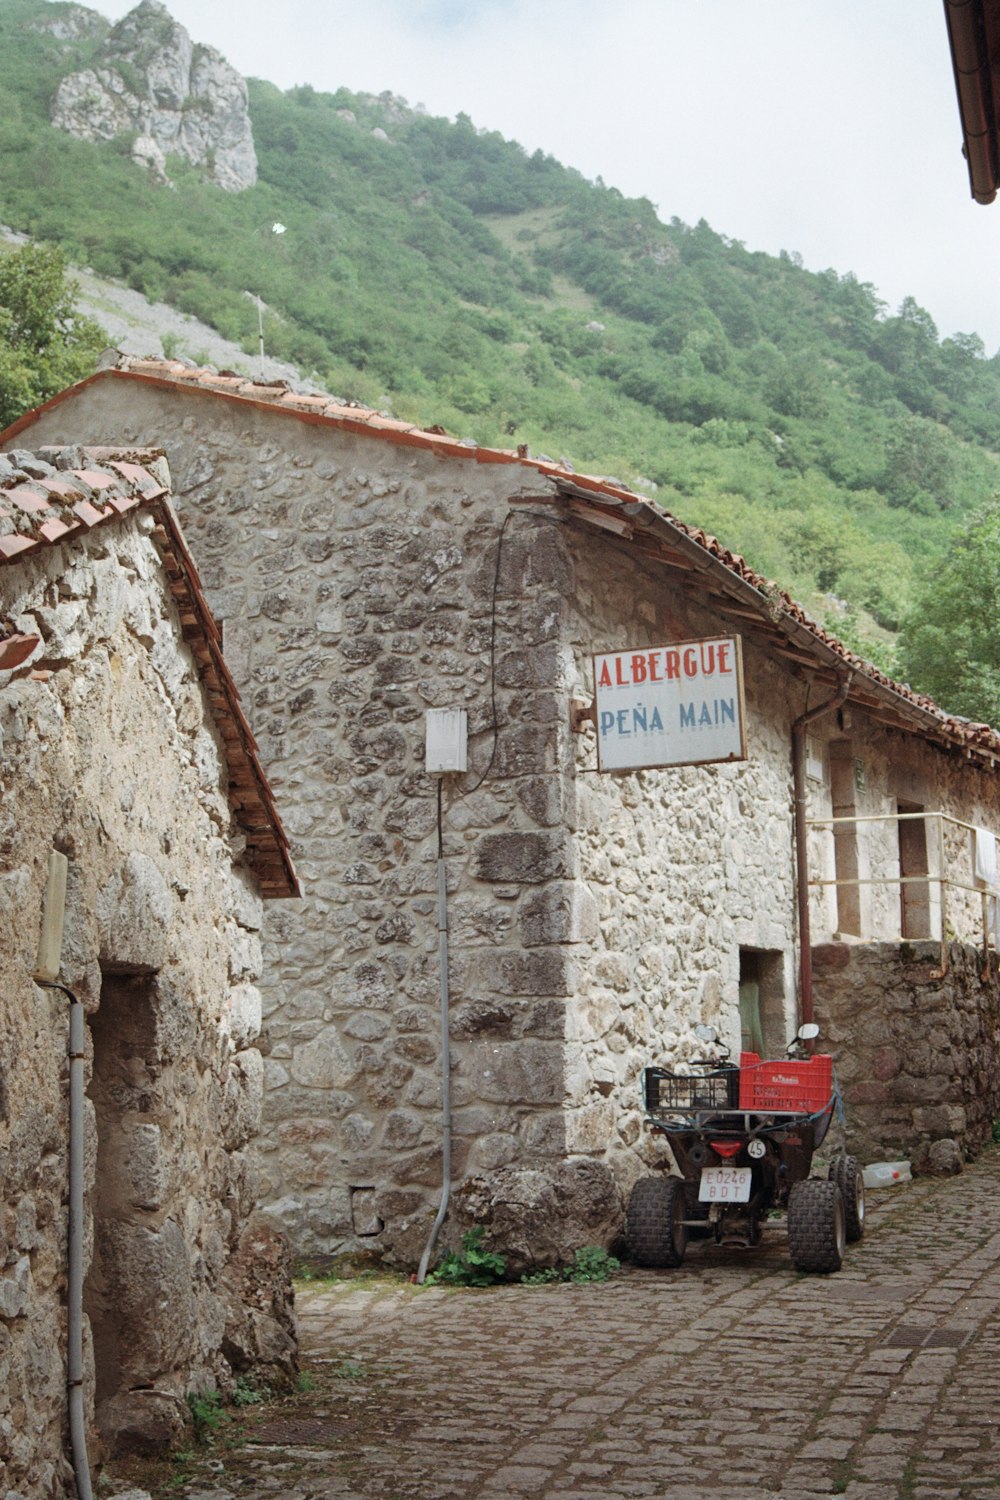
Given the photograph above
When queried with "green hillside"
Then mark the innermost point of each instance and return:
(445, 274)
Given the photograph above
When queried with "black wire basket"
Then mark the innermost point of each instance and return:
(718, 1088)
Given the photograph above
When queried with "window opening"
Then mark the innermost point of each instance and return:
(843, 792)
(914, 887)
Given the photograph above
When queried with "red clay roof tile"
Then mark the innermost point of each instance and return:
(63, 487)
(14, 546)
(89, 514)
(54, 530)
(32, 501)
(96, 478)
(15, 649)
(137, 475)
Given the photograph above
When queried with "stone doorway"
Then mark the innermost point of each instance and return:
(762, 1001)
(125, 1094)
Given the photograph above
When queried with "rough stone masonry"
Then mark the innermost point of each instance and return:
(111, 755)
(364, 573)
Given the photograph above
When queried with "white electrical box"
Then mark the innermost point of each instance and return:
(447, 740)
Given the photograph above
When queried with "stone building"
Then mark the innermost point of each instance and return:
(365, 572)
(125, 749)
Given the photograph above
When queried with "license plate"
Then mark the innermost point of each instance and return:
(724, 1185)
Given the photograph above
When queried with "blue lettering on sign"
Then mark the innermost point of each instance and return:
(713, 711)
(641, 719)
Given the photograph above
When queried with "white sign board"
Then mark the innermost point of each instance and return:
(677, 705)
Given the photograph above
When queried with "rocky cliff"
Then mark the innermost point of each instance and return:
(152, 82)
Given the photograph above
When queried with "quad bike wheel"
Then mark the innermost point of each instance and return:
(846, 1172)
(817, 1231)
(654, 1222)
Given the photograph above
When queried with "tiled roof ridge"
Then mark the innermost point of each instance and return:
(57, 495)
(768, 599)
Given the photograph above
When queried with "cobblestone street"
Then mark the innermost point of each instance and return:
(733, 1378)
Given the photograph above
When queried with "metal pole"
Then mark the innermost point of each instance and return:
(74, 1287)
(445, 1051)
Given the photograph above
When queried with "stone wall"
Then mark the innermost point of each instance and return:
(357, 585)
(109, 757)
(395, 616)
(681, 871)
(917, 1053)
(593, 919)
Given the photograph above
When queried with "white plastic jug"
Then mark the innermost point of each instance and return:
(886, 1173)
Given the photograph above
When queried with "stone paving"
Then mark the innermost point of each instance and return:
(733, 1378)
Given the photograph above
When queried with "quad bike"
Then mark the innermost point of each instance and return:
(740, 1147)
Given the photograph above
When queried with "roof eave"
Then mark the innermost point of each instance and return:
(970, 55)
(768, 612)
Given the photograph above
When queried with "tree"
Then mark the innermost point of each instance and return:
(45, 344)
(949, 645)
(921, 465)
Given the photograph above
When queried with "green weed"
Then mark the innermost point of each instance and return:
(470, 1266)
(207, 1414)
(246, 1393)
(590, 1263)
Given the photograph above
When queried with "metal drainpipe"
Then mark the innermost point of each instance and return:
(74, 1294)
(801, 861)
(445, 1051)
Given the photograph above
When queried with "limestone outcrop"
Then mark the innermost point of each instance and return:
(175, 97)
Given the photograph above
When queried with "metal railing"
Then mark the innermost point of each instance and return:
(941, 878)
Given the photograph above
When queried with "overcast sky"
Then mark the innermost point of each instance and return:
(826, 127)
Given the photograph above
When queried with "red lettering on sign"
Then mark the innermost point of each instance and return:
(673, 664)
(619, 679)
(690, 662)
(638, 669)
(604, 678)
(724, 648)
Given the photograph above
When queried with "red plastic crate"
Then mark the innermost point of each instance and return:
(800, 1084)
